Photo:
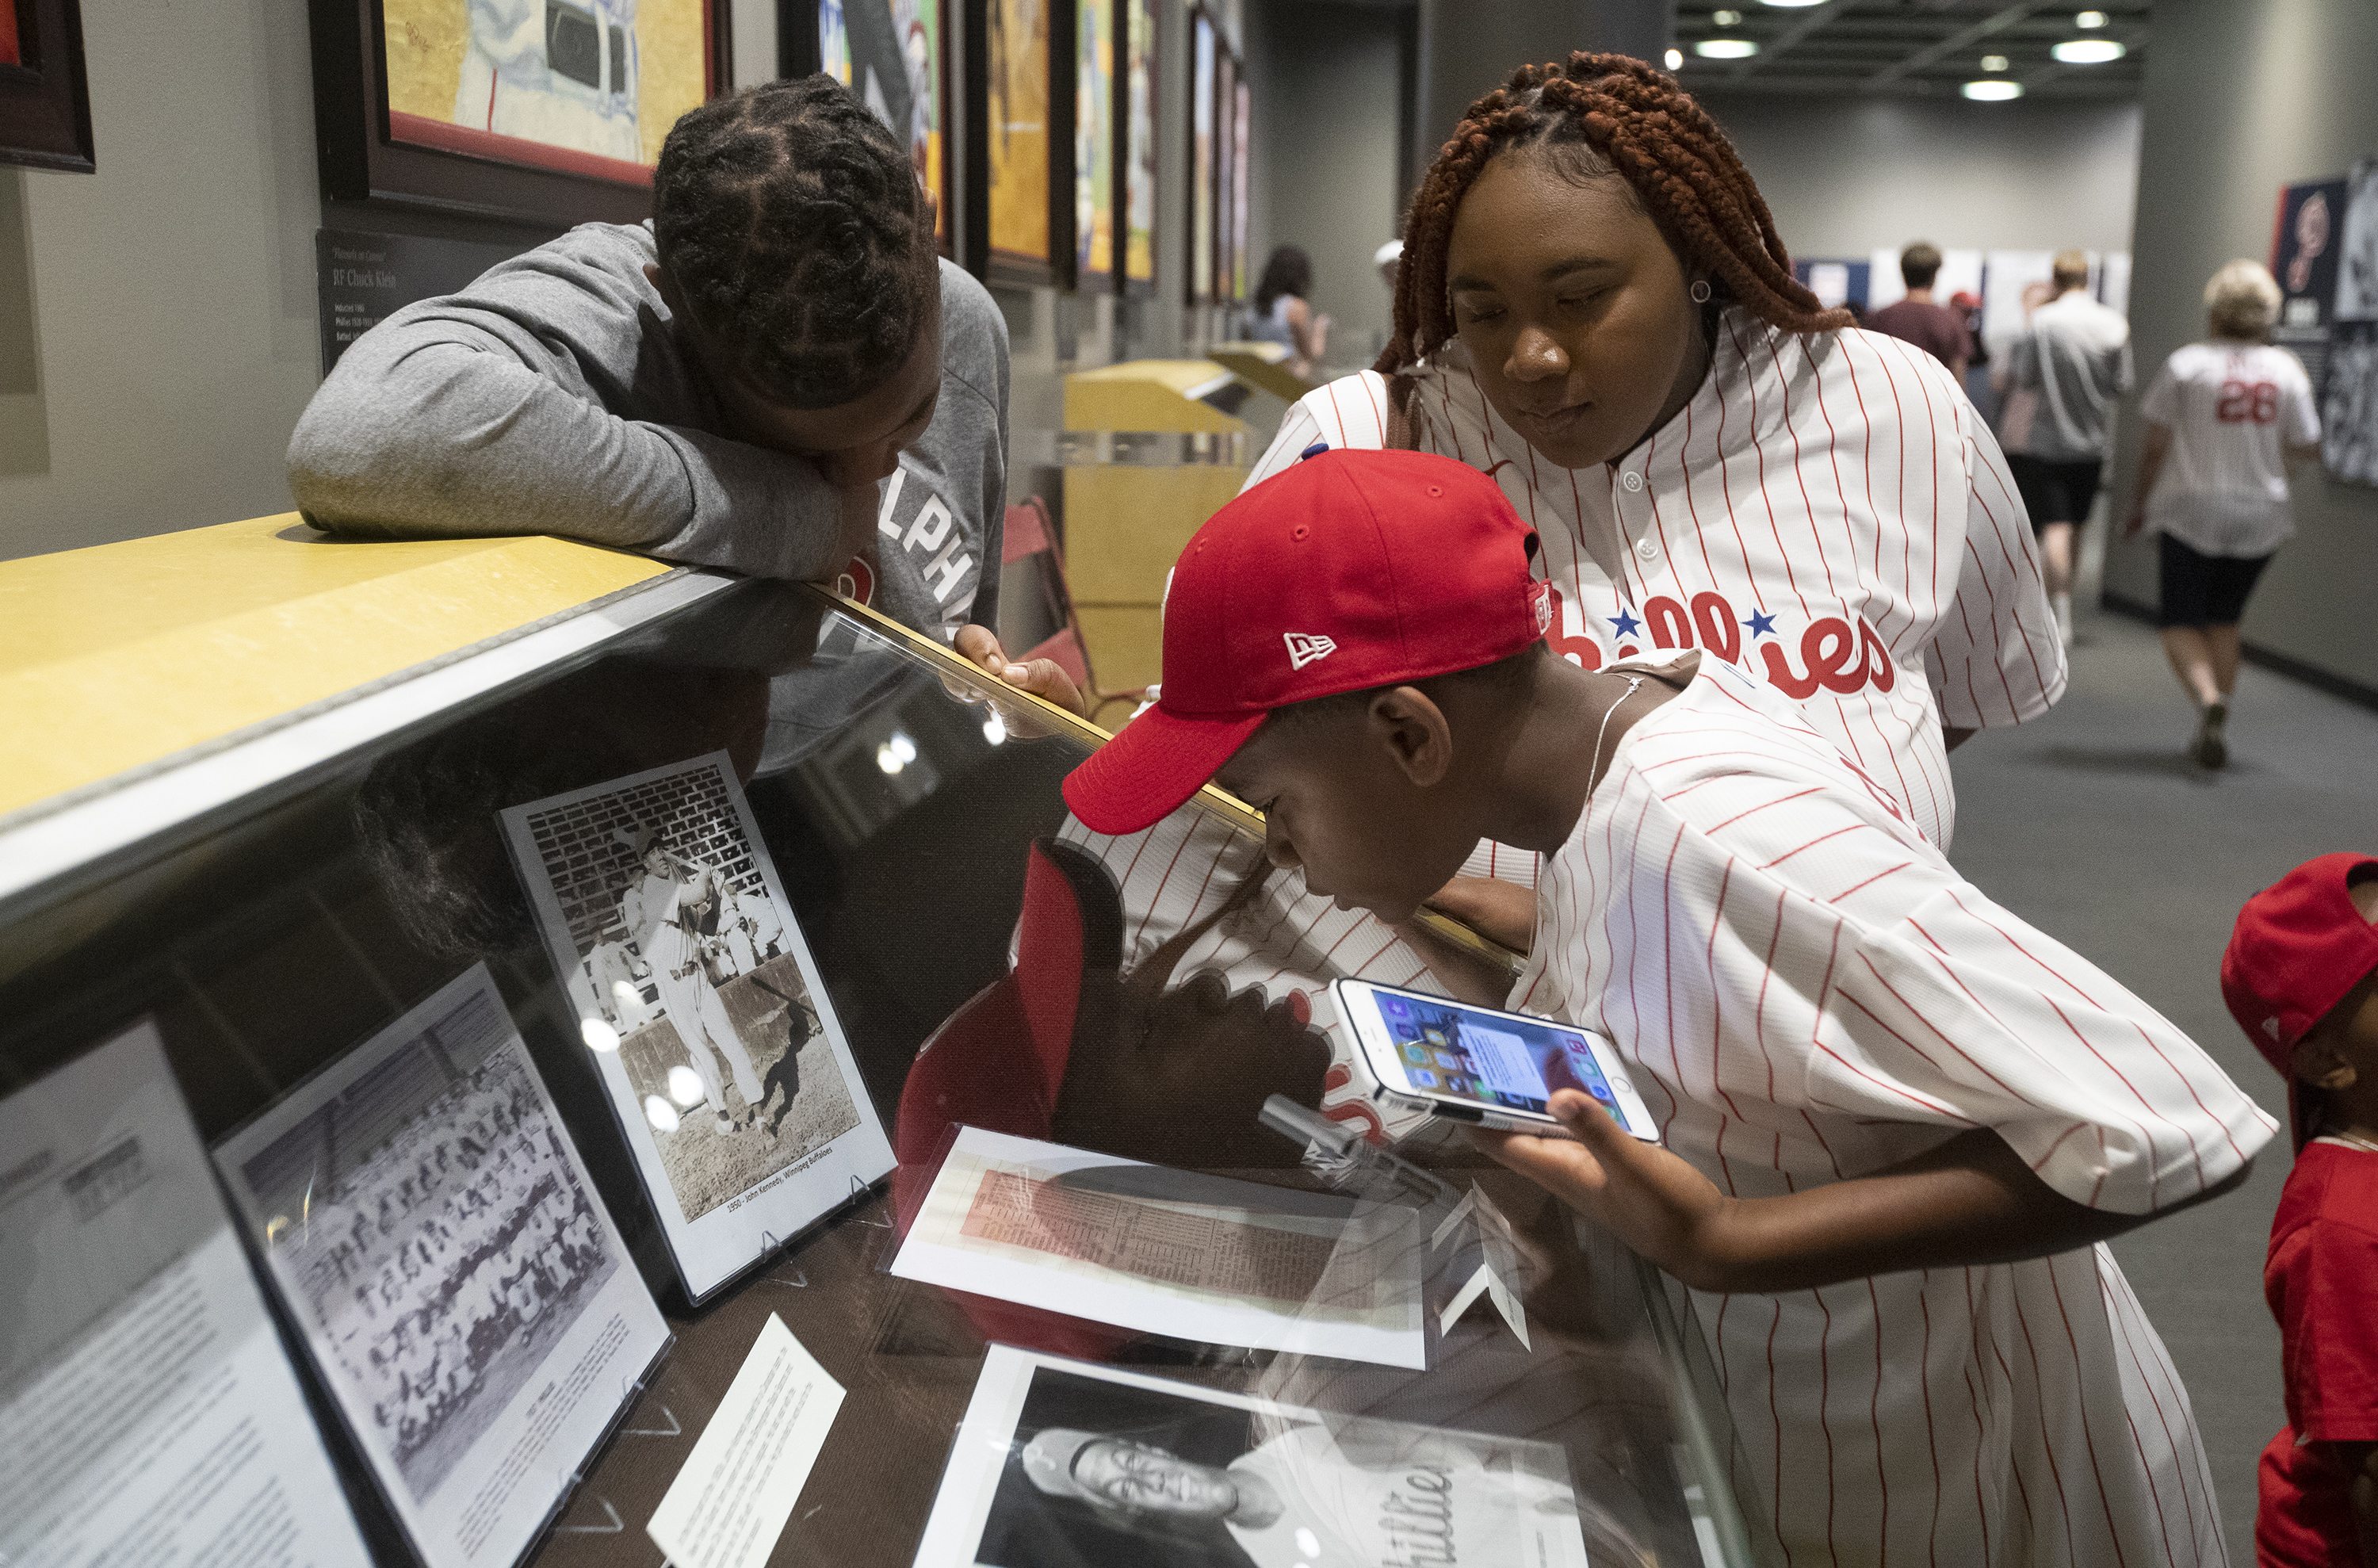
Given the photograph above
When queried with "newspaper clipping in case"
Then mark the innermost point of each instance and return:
(458, 1281)
(1063, 1462)
(725, 1062)
(146, 1412)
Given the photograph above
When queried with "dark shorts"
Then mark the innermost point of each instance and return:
(2054, 491)
(2204, 590)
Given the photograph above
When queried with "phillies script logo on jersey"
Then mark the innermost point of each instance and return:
(1303, 648)
(1835, 655)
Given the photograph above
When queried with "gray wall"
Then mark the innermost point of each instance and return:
(1327, 111)
(1844, 179)
(2239, 100)
(171, 294)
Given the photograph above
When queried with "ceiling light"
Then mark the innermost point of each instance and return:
(1994, 62)
(1791, 5)
(1725, 18)
(1992, 91)
(598, 1036)
(661, 1114)
(994, 728)
(2087, 20)
(1675, 58)
(2088, 51)
(1725, 49)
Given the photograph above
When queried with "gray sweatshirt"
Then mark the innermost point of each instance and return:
(550, 397)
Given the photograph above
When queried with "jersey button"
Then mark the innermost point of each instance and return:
(1648, 551)
(1631, 479)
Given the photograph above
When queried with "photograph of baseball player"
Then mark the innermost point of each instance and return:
(1066, 1464)
(437, 1240)
(2349, 414)
(726, 1066)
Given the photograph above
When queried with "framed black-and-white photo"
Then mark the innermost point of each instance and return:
(462, 1289)
(706, 1015)
(1067, 1463)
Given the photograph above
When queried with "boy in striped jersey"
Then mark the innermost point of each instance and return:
(1898, 1123)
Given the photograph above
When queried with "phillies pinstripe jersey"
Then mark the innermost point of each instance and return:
(2224, 489)
(1806, 991)
(1827, 512)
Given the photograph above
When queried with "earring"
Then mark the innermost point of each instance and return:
(1699, 291)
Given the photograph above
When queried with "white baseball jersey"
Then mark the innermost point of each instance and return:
(1807, 991)
(2230, 406)
(1828, 511)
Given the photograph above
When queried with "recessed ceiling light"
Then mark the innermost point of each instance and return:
(2088, 19)
(1675, 58)
(2088, 51)
(1725, 48)
(1994, 62)
(1725, 18)
(1988, 91)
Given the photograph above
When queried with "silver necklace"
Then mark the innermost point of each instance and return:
(1594, 776)
(2352, 1141)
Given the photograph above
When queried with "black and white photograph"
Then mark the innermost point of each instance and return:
(725, 1062)
(432, 1230)
(1066, 1464)
(2348, 413)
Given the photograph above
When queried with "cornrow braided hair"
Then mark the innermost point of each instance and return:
(1604, 115)
(792, 223)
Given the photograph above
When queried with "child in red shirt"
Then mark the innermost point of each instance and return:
(2301, 978)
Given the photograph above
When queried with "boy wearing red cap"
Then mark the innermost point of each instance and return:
(1895, 1119)
(2301, 979)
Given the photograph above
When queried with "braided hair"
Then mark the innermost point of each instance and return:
(792, 223)
(1603, 114)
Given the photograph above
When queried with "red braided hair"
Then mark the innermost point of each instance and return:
(1621, 116)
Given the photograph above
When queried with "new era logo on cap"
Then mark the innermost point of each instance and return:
(1305, 648)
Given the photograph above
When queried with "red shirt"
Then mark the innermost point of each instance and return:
(1935, 329)
(2322, 1282)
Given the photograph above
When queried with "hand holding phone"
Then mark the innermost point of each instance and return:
(1479, 1065)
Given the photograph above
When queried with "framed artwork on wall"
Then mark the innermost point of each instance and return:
(1242, 130)
(1226, 165)
(539, 110)
(1020, 230)
(1095, 27)
(894, 54)
(1135, 146)
(44, 98)
(1200, 215)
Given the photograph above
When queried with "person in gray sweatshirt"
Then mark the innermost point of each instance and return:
(778, 374)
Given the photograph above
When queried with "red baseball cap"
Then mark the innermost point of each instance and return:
(998, 1063)
(2299, 946)
(1348, 571)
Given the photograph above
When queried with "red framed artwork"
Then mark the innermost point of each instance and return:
(541, 110)
(44, 96)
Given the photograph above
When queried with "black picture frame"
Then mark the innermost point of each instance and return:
(800, 53)
(45, 96)
(362, 163)
(1139, 15)
(1199, 213)
(978, 254)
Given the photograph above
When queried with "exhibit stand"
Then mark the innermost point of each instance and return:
(510, 1051)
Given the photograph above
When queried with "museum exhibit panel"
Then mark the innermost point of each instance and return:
(673, 1073)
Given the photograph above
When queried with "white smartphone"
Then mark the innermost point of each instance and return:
(1478, 1065)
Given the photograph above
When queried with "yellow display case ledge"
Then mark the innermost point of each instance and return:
(119, 656)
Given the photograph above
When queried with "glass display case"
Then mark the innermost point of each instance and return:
(558, 1017)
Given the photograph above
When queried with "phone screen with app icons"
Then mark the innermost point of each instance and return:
(1486, 1057)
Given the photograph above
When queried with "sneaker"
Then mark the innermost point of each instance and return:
(2209, 748)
